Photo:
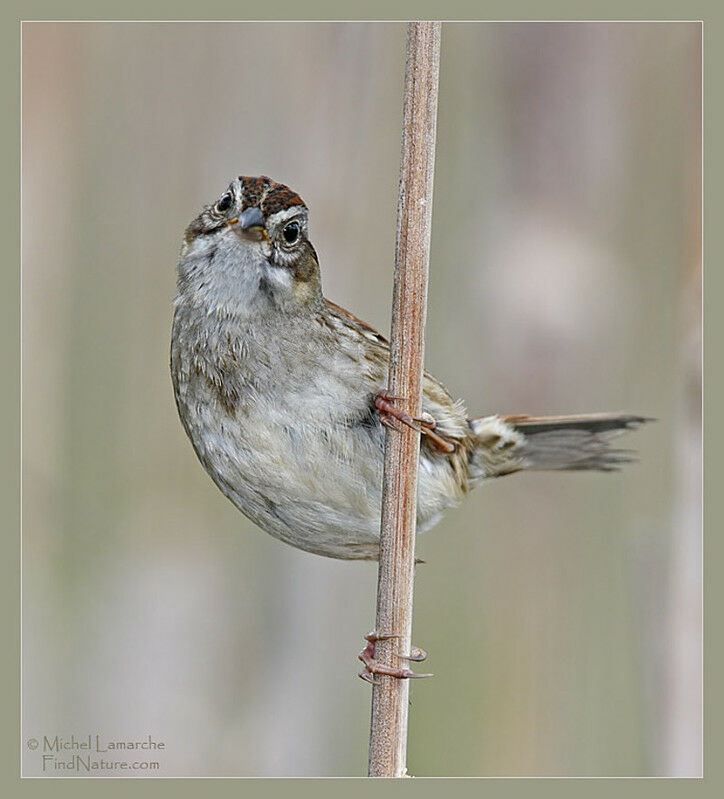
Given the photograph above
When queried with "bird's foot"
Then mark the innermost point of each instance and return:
(372, 667)
(425, 424)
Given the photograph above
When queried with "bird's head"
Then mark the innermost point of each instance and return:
(250, 250)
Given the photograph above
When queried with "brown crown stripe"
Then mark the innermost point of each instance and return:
(267, 194)
(279, 198)
(253, 189)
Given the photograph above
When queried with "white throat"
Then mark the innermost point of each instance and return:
(223, 276)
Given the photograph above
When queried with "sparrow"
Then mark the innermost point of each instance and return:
(282, 392)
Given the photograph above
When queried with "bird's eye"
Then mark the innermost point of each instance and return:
(291, 232)
(224, 203)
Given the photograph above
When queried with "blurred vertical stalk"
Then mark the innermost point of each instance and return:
(683, 741)
(388, 728)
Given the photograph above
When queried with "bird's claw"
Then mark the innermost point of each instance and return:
(416, 654)
(424, 424)
(372, 667)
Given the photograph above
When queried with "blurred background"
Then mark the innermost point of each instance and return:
(561, 611)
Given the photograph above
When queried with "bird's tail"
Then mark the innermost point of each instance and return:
(508, 444)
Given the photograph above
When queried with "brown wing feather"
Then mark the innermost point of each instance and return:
(350, 317)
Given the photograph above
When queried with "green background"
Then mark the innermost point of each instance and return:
(542, 628)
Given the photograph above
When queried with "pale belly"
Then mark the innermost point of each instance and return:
(311, 479)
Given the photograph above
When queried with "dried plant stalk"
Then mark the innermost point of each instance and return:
(388, 729)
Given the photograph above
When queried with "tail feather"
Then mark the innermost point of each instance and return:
(572, 443)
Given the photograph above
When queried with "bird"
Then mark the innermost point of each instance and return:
(282, 392)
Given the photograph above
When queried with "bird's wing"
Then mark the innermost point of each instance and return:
(338, 310)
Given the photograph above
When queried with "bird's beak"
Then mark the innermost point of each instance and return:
(250, 218)
(251, 224)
